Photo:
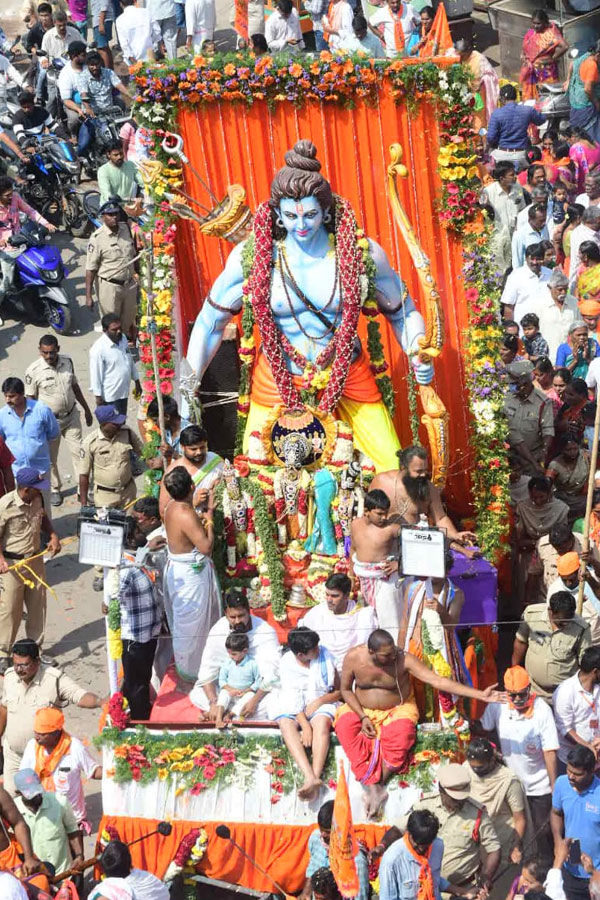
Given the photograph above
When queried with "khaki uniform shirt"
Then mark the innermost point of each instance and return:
(109, 460)
(529, 421)
(110, 254)
(53, 386)
(20, 524)
(552, 656)
(546, 558)
(49, 687)
(462, 854)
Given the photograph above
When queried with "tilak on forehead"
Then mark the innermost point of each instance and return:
(299, 209)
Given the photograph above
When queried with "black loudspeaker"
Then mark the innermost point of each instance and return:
(221, 377)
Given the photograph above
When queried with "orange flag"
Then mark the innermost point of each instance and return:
(440, 36)
(342, 845)
(241, 18)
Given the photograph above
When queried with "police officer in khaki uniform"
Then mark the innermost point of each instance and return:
(110, 256)
(28, 686)
(52, 379)
(465, 828)
(550, 642)
(22, 518)
(106, 454)
(530, 418)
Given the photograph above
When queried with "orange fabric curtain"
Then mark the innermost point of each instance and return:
(282, 850)
(232, 143)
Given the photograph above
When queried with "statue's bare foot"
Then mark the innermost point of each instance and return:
(374, 800)
(219, 723)
(310, 788)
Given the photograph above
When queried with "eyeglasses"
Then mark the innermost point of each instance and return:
(519, 695)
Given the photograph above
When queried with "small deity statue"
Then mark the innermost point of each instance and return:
(305, 276)
(351, 502)
(291, 485)
(322, 539)
(238, 513)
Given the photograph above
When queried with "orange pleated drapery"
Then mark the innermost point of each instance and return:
(282, 850)
(235, 144)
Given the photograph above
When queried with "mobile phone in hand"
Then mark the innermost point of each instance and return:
(575, 852)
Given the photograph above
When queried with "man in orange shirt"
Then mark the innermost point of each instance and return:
(584, 93)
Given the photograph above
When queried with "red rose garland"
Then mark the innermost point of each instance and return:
(275, 344)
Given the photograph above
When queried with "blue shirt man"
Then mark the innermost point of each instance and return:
(576, 814)
(318, 848)
(27, 426)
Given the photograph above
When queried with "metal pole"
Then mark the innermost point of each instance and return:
(152, 329)
(588, 505)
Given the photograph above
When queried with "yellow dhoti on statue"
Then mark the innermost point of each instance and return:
(360, 406)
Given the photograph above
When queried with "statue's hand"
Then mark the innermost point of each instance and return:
(423, 371)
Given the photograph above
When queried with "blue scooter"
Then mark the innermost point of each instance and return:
(39, 273)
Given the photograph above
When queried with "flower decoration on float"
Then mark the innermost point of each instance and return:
(190, 854)
(486, 384)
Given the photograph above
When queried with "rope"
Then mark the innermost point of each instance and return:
(24, 564)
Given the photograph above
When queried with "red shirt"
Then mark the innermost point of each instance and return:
(6, 460)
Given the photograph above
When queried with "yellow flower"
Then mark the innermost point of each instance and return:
(472, 172)
(363, 243)
(162, 774)
(163, 321)
(247, 343)
(460, 172)
(143, 322)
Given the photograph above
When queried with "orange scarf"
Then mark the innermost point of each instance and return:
(398, 33)
(45, 764)
(526, 711)
(330, 9)
(426, 889)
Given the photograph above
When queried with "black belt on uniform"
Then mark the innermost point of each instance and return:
(8, 555)
(102, 487)
(115, 281)
(65, 415)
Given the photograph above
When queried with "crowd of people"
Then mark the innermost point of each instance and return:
(521, 815)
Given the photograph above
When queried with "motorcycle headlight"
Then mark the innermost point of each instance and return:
(51, 274)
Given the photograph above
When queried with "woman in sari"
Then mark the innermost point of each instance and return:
(584, 153)
(543, 45)
(588, 273)
(543, 379)
(535, 516)
(485, 80)
(569, 471)
(495, 787)
(578, 351)
(572, 220)
(569, 420)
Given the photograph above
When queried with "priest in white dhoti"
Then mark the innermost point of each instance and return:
(264, 649)
(339, 621)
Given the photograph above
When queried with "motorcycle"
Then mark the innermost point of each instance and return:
(553, 103)
(48, 174)
(106, 126)
(39, 273)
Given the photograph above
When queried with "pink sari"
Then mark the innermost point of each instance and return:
(585, 158)
(537, 47)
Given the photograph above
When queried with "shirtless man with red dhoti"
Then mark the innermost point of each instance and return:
(376, 726)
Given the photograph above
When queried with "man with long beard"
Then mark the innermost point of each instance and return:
(412, 495)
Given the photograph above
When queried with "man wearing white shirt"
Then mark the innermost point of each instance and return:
(133, 32)
(112, 368)
(587, 231)
(200, 21)
(534, 232)
(163, 22)
(337, 23)
(576, 705)
(8, 75)
(539, 195)
(592, 190)
(283, 31)
(362, 40)
(338, 621)
(56, 41)
(395, 22)
(556, 310)
(522, 288)
(264, 648)
(529, 744)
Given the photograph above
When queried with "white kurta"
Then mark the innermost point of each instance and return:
(264, 647)
(200, 20)
(339, 633)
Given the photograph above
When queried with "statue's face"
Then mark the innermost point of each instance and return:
(302, 218)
